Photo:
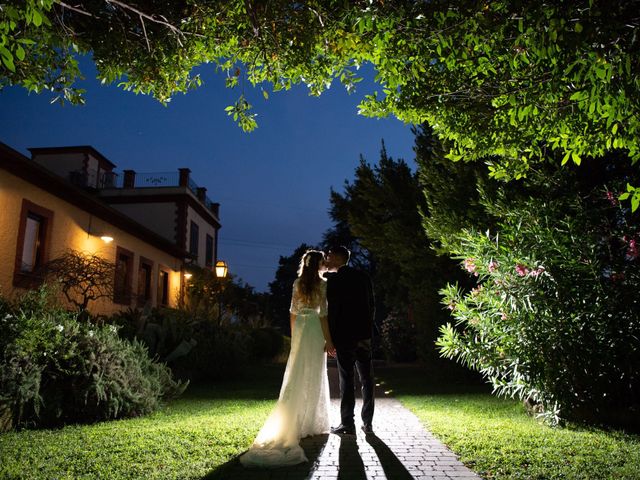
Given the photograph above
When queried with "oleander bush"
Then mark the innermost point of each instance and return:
(55, 369)
(554, 318)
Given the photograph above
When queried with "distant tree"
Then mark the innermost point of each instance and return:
(514, 79)
(222, 300)
(451, 192)
(280, 288)
(82, 277)
(382, 209)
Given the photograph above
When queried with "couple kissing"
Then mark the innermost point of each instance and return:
(332, 310)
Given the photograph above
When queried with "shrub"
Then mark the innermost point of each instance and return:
(554, 316)
(220, 353)
(55, 370)
(266, 343)
(398, 338)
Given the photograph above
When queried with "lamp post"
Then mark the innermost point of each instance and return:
(221, 273)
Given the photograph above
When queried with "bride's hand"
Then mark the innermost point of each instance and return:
(330, 349)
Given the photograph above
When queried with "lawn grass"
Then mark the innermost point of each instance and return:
(187, 439)
(498, 440)
(194, 436)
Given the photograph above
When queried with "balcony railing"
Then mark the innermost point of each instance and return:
(159, 179)
(131, 179)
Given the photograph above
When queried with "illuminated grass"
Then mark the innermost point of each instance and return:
(187, 439)
(498, 440)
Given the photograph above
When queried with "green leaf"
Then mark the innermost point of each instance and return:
(36, 18)
(265, 94)
(635, 201)
(20, 53)
(578, 27)
(624, 196)
(576, 158)
(7, 59)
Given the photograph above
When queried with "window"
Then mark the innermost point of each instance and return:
(163, 287)
(144, 281)
(31, 251)
(209, 251)
(32, 244)
(193, 239)
(123, 278)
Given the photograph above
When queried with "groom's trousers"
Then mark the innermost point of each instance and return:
(358, 355)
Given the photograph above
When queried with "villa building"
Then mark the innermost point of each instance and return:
(152, 227)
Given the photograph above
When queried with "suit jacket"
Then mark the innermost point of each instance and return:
(351, 306)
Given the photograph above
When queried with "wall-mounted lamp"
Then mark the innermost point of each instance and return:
(104, 236)
(221, 269)
(188, 275)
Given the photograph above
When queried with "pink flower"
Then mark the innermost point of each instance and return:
(617, 276)
(503, 316)
(476, 291)
(451, 307)
(493, 266)
(469, 265)
(632, 250)
(613, 200)
(537, 271)
(521, 270)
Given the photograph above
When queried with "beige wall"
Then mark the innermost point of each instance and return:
(69, 230)
(61, 163)
(159, 217)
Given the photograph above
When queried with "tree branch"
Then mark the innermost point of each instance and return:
(144, 30)
(151, 18)
(75, 9)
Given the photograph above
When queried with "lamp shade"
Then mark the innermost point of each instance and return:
(221, 269)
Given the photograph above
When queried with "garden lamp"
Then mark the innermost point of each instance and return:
(221, 269)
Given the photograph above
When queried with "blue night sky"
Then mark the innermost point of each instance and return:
(273, 183)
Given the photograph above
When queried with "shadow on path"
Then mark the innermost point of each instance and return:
(350, 464)
(233, 469)
(392, 466)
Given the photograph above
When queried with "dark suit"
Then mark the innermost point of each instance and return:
(351, 309)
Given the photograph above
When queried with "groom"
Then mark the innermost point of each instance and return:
(351, 309)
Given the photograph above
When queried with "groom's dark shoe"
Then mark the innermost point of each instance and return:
(367, 429)
(344, 430)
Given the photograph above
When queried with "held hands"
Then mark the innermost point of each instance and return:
(329, 348)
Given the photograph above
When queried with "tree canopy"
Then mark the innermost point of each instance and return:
(519, 80)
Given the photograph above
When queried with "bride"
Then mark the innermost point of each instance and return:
(303, 405)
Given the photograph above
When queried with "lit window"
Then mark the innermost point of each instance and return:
(32, 245)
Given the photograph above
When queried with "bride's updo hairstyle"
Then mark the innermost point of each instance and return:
(309, 273)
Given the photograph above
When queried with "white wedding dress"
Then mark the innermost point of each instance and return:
(303, 405)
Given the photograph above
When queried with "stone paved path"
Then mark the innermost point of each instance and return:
(400, 449)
